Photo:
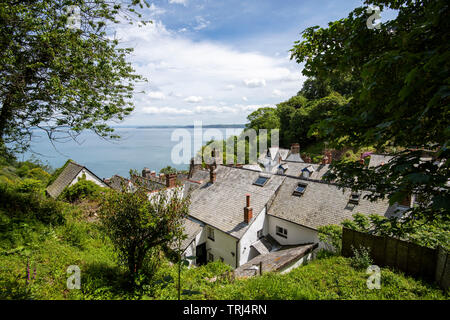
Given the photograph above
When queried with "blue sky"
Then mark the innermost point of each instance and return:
(217, 61)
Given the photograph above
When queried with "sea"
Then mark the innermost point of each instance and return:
(137, 148)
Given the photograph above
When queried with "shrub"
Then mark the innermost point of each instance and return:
(81, 190)
(331, 236)
(361, 258)
(32, 205)
(136, 224)
(29, 185)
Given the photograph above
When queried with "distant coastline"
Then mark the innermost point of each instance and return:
(241, 126)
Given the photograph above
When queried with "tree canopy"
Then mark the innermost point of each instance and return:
(401, 99)
(61, 79)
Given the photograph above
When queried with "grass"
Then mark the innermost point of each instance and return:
(328, 278)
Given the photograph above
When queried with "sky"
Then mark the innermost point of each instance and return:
(218, 61)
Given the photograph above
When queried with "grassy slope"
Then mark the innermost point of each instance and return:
(328, 278)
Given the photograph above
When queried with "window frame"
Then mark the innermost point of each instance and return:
(260, 234)
(211, 232)
(281, 234)
(300, 193)
(259, 184)
(210, 257)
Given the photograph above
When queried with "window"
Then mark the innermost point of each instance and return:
(210, 233)
(300, 189)
(210, 257)
(261, 181)
(260, 234)
(354, 198)
(282, 232)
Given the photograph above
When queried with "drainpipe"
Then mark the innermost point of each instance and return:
(237, 252)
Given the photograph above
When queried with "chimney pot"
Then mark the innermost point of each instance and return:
(248, 200)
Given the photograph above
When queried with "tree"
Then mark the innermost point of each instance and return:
(58, 79)
(136, 224)
(401, 101)
(263, 118)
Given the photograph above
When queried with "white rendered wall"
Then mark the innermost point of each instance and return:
(296, 233)
(251, 236)
(222, 246)
(89, 177)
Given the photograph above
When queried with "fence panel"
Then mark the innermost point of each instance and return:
(431, 264)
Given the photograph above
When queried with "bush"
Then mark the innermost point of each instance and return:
(32, 205)
(29, 185)
(81, 190)
(331, 236)
(361, 258)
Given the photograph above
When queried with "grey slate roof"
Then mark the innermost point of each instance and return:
(294, 157)
(222, 203)
(321, 204)
(295, 169)
(378, 159)
(69, 173)
(64, 179)
(118, 183)
(191, 229)
(274, 261)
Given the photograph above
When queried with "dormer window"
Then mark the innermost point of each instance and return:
(261, 181)
(300, 189)
(354, 198)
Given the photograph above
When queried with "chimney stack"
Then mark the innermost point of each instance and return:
(146, 172)
(248, 211)
(295, 148)
(212, 173)
(170, 180)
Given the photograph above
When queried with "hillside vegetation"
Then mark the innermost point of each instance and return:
(41, 237)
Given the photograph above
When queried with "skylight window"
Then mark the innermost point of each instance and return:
(261, 181)
(300, 189)
(354, 198)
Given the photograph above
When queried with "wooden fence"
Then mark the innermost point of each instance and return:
(415, 260)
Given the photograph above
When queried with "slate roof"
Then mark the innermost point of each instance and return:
(266, 244)
(191, 229)
(295, 169)
(222, 203)
(118, 183)
(64, 179)
(321, 204)
(294, 157)
(378, 159)
(274, 261)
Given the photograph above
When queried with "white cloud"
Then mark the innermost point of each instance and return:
(156, 95)
(166, 110)
(255, 83)
(201, 23)
(183, 2)
(155, 10)
(178, 66)
(193, 99)
(245, 98)
(277, 93)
